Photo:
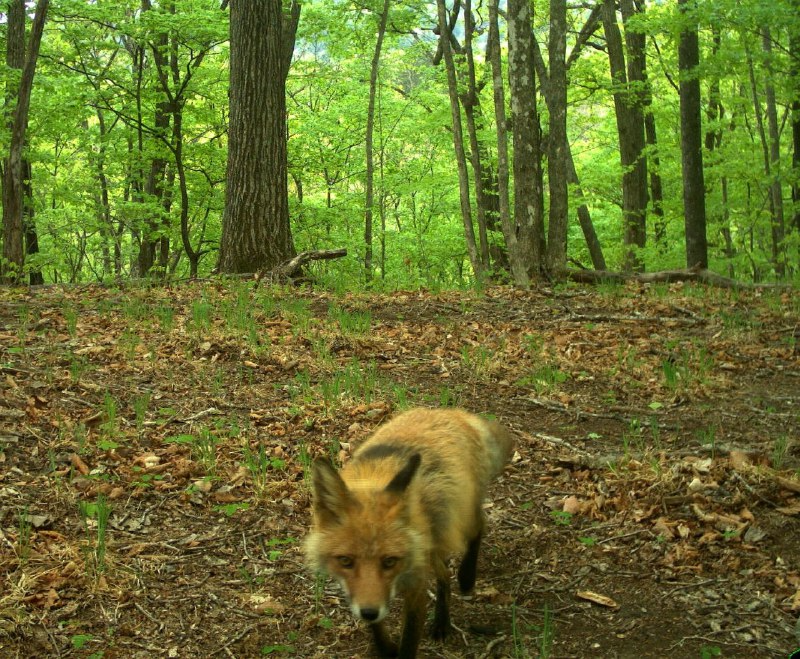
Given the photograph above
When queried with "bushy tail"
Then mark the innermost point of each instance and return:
(500, 445)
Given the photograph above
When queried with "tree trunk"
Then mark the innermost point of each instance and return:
(794, 54)
(370, 174)
(255, 229)
(776, 184)
(527, 164)
(630, 128)
(694, 191)
(470, 100)
(557, 163)
(13, 225)
(458, 140)
(516, 260)
(584, 217)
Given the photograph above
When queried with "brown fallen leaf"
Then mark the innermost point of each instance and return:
(597, 598)
(77, 462)
(793, 509)
(789, 484)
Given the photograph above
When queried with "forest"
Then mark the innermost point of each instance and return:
(241, 235)
(436, 143)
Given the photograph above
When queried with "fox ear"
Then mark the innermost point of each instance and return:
(403, 477)
(331, 495)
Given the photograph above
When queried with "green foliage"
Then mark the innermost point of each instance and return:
(95, 143)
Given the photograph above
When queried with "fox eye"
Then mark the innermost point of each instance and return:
(346, 562)
(388, 562)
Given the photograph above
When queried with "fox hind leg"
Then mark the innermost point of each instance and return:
(469, 565)
(441, 614)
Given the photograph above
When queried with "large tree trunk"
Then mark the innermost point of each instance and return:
(694, 191)
(516, 261)
(527, 164)
(13, 169)
(370, 173)
(557, 163)
(630, 129)
(458, 140)
(255, 229)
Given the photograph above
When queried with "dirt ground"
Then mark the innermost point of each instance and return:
(154, 444)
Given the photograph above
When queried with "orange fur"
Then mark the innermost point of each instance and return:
(410, 497)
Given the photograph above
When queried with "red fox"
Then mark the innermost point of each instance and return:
(408, 499)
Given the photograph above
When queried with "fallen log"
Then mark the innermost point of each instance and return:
(699, 275)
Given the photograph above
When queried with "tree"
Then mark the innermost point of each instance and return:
(13, 165)
(370, 173)
(255, 227)
(445, 41)
(692, 142)
(630, 129)
(519, 272)
(526, 133)
(557, 162)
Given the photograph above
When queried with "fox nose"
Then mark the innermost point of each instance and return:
(368, 614)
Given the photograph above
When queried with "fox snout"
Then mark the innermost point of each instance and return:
(370, 613)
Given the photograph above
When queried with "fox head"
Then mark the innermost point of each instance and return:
(362, 535)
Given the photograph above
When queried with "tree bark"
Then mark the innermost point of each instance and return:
(557, 162)
(584, 217)
(256, 234)
(776, 185)
(794, 56)
(370, 173)
(470, 102)
(458, 140)
(526, 133)
(630, 129)
(516, 261)
(692, 144)
(13, 225)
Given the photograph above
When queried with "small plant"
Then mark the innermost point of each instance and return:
(561, 517)
(274, 554)
(351, 323)
(165, 315)
(109, 426)
(477, 360)
(129, 341)
(547, 633)
(94, 517)
(204, 450)
(140, 405)
(708, 651)
(260, 465)
(708, 437)
(588, 541)
(544, 379)
(77, 367)
(779, 449)
(230, 509)
(201, 316)
(71, 320)
(80, 640)
(670, 370)
(24, 534)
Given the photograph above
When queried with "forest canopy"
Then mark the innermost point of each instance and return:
(425, 138)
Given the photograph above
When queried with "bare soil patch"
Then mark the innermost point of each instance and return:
(153, 445)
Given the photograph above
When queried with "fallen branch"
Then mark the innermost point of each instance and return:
(695, 274)
(291, 268)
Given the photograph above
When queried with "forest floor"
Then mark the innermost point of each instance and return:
(154, 444)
